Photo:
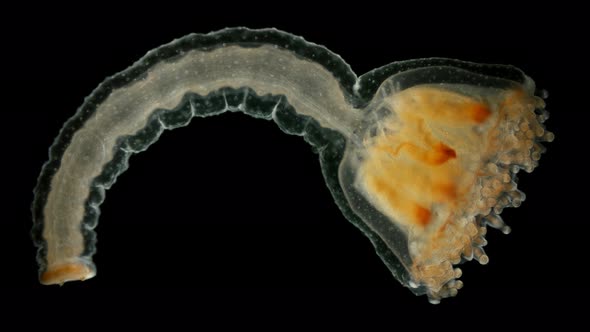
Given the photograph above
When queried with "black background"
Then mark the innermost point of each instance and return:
(233, 216)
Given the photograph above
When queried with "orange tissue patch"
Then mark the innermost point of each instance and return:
(421, 215)
(66, 272)
(444, 106)
(479, 113)
(441, 153)
(444, 191)
(435, 154)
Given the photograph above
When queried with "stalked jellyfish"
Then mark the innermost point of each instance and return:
(421, 155)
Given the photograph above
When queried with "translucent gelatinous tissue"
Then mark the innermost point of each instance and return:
(420, 155)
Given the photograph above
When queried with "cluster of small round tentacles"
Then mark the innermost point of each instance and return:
(514, 144)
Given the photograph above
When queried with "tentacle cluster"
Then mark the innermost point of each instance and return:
(514, 144)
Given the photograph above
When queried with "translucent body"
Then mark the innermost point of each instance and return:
(419, 155)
